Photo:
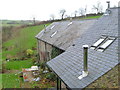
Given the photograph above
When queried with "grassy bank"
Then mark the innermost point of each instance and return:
(22, 41)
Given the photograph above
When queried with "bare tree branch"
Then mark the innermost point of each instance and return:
(98, 7)
(52, 16)
(82, 11)
(62, 13)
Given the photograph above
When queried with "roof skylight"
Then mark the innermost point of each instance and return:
(70, 23)
(106, 44)
(53, 34)
(52, 27)
(98, 42)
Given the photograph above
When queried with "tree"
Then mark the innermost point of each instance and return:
(98, 7)
(52, 16)
(82, 11)
(75, 13)
(62, 13)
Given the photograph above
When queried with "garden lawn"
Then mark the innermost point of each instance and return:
(10, 81)
(18, 65)
(92, 17)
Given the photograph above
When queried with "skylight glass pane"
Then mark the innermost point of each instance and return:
(70, 23)
(106, 44)
(53, 34)
(98, 42)
(52, 27)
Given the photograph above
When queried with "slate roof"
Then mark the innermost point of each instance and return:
(66, 34)
(69, 65)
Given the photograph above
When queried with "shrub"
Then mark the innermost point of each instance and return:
(51, 76)
(43, 65)
(29, 52)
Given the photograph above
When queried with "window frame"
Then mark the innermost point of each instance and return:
(95, 46)
(103, 46)
(52, 27)
(53, 34)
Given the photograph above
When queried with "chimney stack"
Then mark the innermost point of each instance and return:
(85, 62)
(108, 4)
(85, 49)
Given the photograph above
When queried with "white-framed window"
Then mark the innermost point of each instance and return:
(104, 45)
(98, 42)
(54, 34)
(70, 23)
(52, 27)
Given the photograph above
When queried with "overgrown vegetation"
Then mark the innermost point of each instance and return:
(55, 52)
(107, 81)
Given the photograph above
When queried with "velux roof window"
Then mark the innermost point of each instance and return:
(53, 34)
(102, 43)
(98, 42)
(52, 27)
(70, 23)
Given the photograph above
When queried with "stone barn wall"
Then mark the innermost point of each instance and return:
(46, 51)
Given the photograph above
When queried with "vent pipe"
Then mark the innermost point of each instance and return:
(85, 62)
(108, 4)
(85, 48)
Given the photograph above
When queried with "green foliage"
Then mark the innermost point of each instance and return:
(29, 52)
(10, 81)
(51, 76)
(43, 65)
(55, 52)
(18, 65)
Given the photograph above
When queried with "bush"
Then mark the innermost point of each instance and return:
(29, 52)
(51, 76)
(43, 65)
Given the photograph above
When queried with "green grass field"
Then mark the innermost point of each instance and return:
(92, 17)
(18, 65)
(10, 81)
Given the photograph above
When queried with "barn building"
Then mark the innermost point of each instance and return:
(59, 36)
(102, 55)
